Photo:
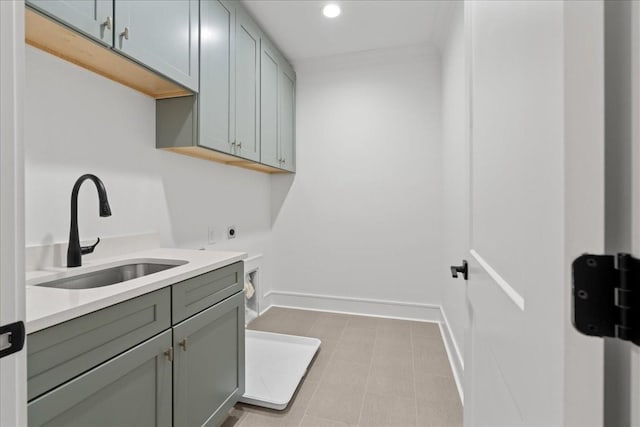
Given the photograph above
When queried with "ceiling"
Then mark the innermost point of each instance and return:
(301, 31)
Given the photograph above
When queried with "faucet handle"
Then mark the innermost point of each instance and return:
(89, 249)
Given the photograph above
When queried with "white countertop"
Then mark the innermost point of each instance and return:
(50, 306)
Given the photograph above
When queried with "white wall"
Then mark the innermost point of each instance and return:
(455, 171)
(77, 122)
(362, 219)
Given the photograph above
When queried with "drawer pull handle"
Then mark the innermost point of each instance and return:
(183, 344)
(169, 354)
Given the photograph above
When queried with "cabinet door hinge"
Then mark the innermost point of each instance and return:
(606, 296)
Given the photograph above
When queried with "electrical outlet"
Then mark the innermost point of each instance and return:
(231, 232)
(211, 236)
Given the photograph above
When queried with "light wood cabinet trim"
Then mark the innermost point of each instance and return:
(216, 156)
(56, 39)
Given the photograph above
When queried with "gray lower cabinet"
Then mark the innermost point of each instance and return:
(208, 371)
(64, 351)
(93, 18)
(174, 356)
(133, 389)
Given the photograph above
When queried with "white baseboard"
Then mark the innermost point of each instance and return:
(377, 308)
(453, 352)
(362, 306)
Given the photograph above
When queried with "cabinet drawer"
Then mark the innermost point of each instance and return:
(62, 352)
(133, 389)
(194, 295)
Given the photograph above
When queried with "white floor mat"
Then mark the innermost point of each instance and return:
(275, 364)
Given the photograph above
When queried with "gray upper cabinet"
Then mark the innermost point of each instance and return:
(244, 113)
(133, 389)
(277, 109)
(269, 129)
(93, 18)
(287, 92)
(161, 34)
(208, 368)
(247, 86)
(217, 76)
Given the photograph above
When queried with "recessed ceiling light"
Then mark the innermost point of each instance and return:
(331, 10)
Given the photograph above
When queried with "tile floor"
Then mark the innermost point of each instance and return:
(368, 372)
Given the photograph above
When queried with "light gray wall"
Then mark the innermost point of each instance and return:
(78, 122)
(362, 217)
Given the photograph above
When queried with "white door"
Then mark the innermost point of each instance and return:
(13, 382)
(536, 202)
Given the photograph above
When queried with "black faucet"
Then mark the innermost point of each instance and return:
(75, 251)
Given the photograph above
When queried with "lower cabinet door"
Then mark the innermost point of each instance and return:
(209, 364)
(133, 389)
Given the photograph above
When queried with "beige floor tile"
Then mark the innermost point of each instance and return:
(431, 360)
(310, 421)
(255, 419)
(439, 414)
(369, 371)
(396, 381)
(354, 351)
(358, 334)
(388, 411)
(402, 327)
(433, 388)
(400, 338)
(385, 354)
(292, 415)
(328, 327)
(318, 365)
(363, 322)
(337, 402)
(342, 372)
(425, 330)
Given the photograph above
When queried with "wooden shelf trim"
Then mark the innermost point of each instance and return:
(56, 39)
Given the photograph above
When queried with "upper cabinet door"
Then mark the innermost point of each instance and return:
(217, 76)
(94, 18)
(287, 118)
(247, 87)
(269, 70)
(161, 34)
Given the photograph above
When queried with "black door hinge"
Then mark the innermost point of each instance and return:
(606, 296)
(15, 337)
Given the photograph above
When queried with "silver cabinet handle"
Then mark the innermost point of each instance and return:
(125, 33)
(240, 144)
(169, 354)
(183, 344)
(108, 23)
